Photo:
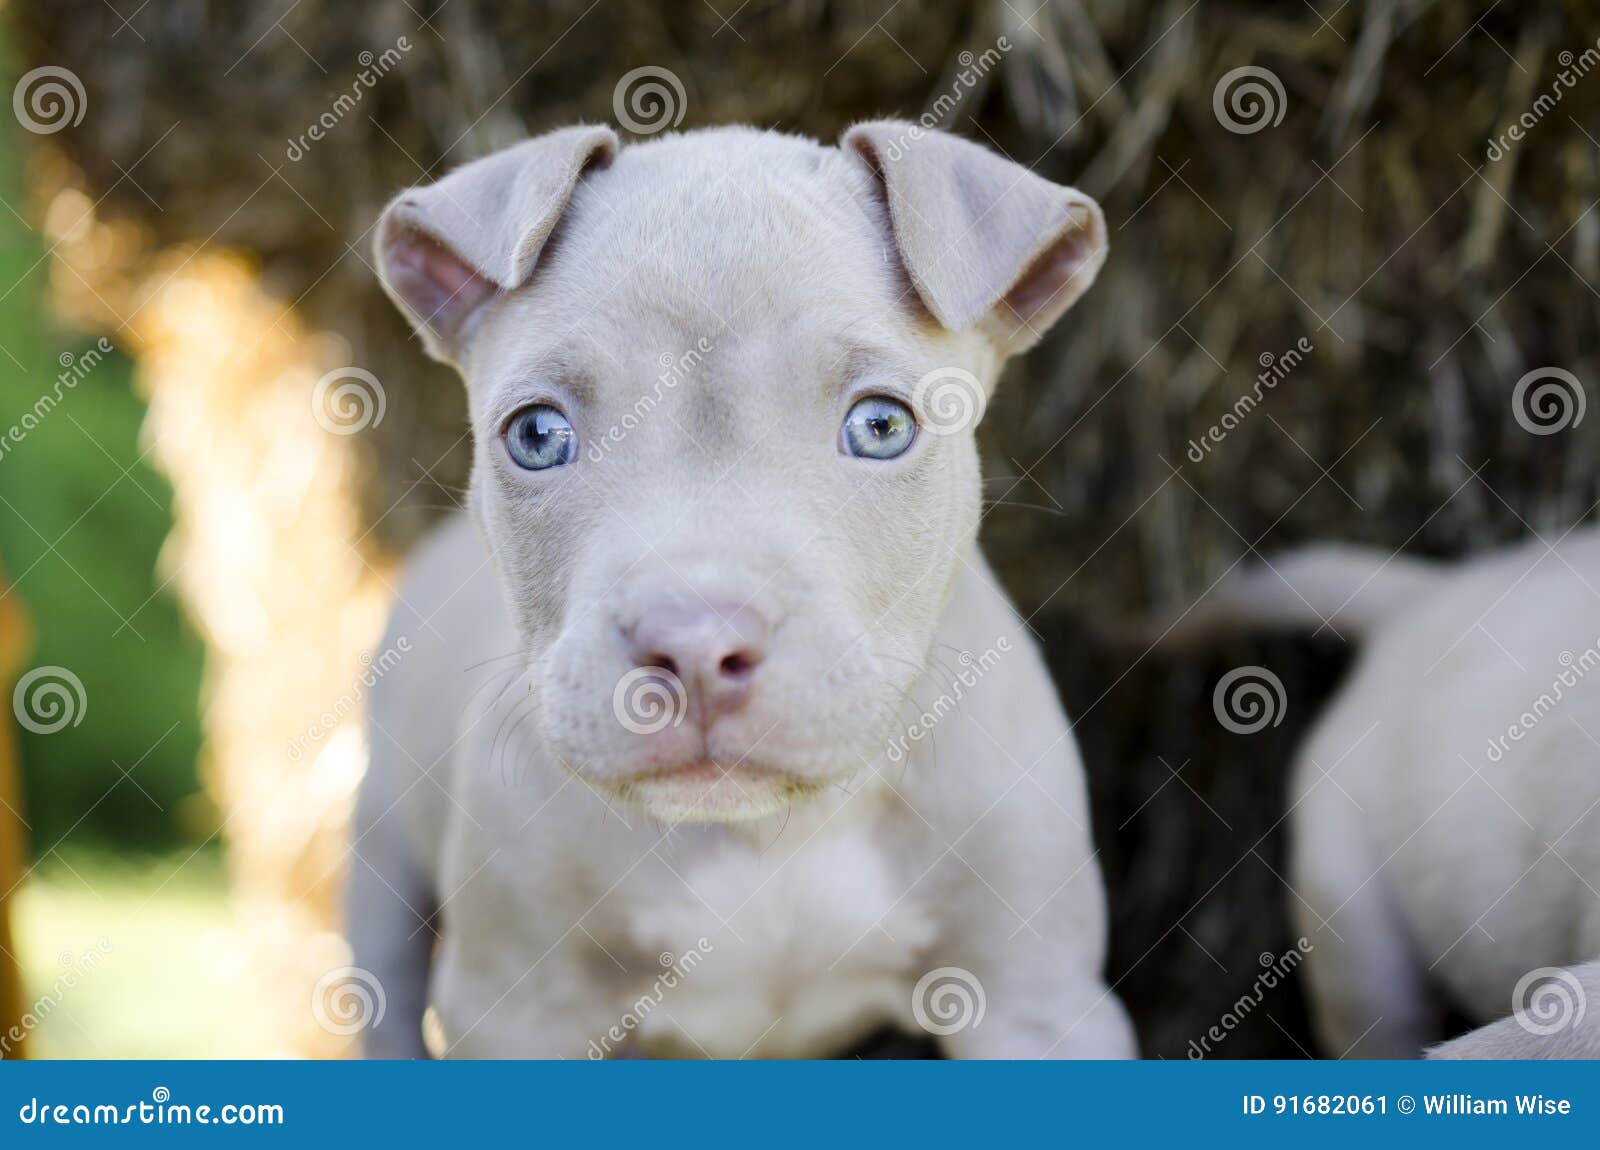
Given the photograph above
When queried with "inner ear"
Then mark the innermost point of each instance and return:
(438, 287)
(1053, 280)
(1058, 275)
(987, 243)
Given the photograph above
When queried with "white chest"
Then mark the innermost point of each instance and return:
(789, 952)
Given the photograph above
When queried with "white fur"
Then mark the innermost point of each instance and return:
(500, 785)
(1565, 1023)
(1431, 847)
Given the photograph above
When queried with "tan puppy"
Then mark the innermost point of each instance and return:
(712, 671)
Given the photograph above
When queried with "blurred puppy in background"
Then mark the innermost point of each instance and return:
(1445, 827)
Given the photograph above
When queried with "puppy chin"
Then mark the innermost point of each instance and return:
(709, 792)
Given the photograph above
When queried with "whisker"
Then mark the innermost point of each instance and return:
(492, 659)
(1056, 511)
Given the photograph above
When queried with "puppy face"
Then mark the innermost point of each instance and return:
(724, 423)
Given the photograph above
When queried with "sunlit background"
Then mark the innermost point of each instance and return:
(121, 846)
(131, 935)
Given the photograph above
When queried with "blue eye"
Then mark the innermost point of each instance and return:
(539, 437)
(878, 428)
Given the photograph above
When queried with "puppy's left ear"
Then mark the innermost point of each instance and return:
(985, 241)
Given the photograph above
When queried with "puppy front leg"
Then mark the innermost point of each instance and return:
(388, 903)
(497, 1005)
(1065, 1012)
(1038, 981)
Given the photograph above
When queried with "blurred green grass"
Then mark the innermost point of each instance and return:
(82, 520)
(164, 980)
(83, 516)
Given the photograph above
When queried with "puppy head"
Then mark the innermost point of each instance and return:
(723, 388)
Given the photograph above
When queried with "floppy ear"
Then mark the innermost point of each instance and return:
(445, 249)
(985, 241)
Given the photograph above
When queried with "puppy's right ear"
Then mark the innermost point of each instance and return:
(444, 250)
(986, 242)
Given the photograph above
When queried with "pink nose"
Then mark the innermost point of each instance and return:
(713, 648)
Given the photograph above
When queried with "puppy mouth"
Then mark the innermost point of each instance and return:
(706, 791)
